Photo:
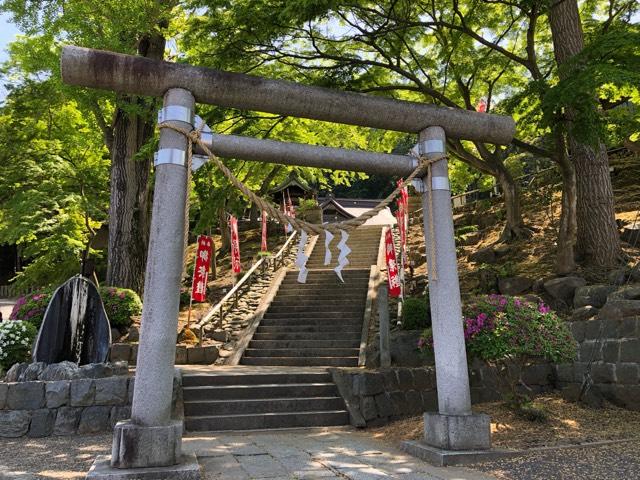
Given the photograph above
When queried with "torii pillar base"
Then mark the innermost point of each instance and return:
(457, 432)
(187, 469)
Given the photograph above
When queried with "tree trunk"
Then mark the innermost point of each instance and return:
(598, 241)
(129, 208)
(514, 227)
(565, 257)
(225, 235)
(255, 215)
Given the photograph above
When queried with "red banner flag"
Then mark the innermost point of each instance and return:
(290, 210)
(402, 228)
(402, 216)
(404, 193)
(235, 245)
(201, 269)
(263, 244)
(393, 275)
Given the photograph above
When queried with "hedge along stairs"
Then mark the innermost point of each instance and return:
(283, 380)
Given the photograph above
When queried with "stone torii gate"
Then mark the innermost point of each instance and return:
(149, 444)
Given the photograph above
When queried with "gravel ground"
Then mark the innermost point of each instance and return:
(612, 462)
(67, 458)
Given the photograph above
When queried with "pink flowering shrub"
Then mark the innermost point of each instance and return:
(509, 333)
(121, 304)
(31, 307)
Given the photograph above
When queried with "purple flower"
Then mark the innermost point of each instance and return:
(542, 308)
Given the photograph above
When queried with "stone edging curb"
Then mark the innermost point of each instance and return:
(444, 458)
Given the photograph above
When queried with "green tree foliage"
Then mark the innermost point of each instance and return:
(54, 186)
(603, 84)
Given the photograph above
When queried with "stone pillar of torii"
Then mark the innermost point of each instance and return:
(151, 440)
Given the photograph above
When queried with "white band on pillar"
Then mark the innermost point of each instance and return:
(176, 113)
(440, 183)
(431, 146)
(173, 156)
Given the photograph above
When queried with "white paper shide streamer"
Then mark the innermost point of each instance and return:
(328, 236)
(344, 251)
(301, 259)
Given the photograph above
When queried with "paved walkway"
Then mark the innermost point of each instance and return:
(6, 305)
(327, 453)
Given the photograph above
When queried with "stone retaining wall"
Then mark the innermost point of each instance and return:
(608, 353)
(375, 397)
(69, 407)
(608, 359)
(128, 352)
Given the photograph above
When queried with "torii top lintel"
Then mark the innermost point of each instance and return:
(142, 76)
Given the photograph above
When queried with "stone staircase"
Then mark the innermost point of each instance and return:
(252, 398)
(282, 380)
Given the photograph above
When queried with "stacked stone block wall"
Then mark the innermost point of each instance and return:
(69, 407)
(608, 360)
(192, 355)
(375, 397)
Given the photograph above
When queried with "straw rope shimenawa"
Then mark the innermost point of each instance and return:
(193, 136)
(187, 205)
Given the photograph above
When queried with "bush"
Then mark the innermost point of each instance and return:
(120, 304)
(16, 338)
(31, 307)
(509, 333)
(415, 313)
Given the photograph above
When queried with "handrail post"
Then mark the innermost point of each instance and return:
(383, 320)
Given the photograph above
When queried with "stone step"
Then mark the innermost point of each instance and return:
(328, 272)
(301, 352)
(313, 300)
(241, 378)
(329, 281)
(286, 335)
(335, 321)
(366, 255)
(317, 308)
(365, 251)
(274, 390)
(269, 420)
(342, 290)
(267, 405)
(302, 361)
(318, 296)
(365, 262)
(279, 344)
(316, 329)
(311, 313)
